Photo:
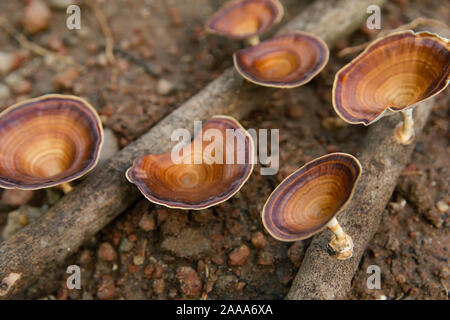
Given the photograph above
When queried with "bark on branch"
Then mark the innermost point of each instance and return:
(106, 193)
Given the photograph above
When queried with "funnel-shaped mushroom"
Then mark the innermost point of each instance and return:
(310, 198)
(209, 171)
(246, 19)
(286, 61)
(393, 74)
(48, 141)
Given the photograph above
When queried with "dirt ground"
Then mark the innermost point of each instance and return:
(163, 57)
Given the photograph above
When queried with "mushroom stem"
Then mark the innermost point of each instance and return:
(341, 242)
(404, 131)
(253, 41)
(65, 187)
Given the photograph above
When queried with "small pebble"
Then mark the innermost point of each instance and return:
(434, 216)
(240, 286)
(392, 244)
(148, 271)
(444, 273)
(239, 256)
(5, 93)
(158, 273)
(159, 286)
(37, 16)
(172, 293)
(106, 252)
(258, 240)
(17, 82)
(442, 206)
(164, 87)
(125, 245)
(107, 290)
(16, 197)
(219, 259)
(65, 80)
(190, 283)
(102, 60)
(132, 268)
(147, 222)
(295, 111)
(175, 16)
(138, 260)
(56, 43)
(397, 207)
(265, 259)
(6, 62)
(22, 87)
(330, 123)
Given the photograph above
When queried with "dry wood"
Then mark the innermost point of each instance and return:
(105, 194)
(321, 276)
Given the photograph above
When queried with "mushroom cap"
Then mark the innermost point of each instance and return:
(306, 201)
(242, 19)
(392, 74)
(48, 141)
(286, 61)
(198, 181)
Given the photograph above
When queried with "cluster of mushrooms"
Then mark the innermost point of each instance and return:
(54, 139)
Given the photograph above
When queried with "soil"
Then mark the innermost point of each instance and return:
(163, 57)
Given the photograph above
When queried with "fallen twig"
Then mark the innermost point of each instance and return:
(109, 47)
(150, 68)
(33, 47)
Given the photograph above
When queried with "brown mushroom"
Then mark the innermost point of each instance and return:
(48, 141)
(309, 200)
(206, 174)
(246, 19)
(286, 61)
(392, 75)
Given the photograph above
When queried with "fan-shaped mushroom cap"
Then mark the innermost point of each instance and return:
(393, 73)
(307, 200)
(242, 19)
(286, 61)
(199, 181)
(48, 141)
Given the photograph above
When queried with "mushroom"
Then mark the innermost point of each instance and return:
(309, 200)
(48, 141)
(246, 19)
(206, 175)
(393, 74)
(286, 61)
